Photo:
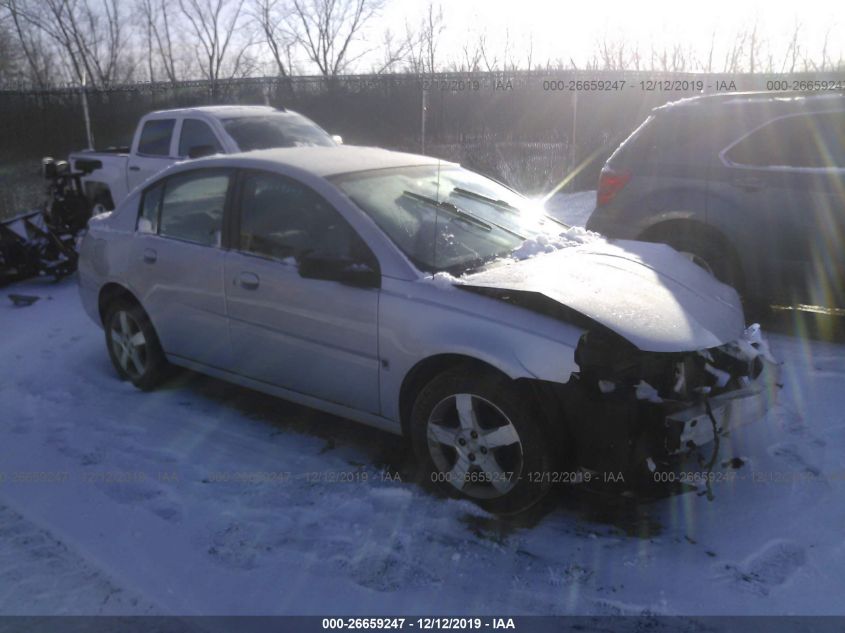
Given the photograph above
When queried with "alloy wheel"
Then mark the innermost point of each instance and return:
(475, 446)
(129, 344)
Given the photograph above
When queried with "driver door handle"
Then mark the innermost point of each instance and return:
(150, 256)
(248, 281)
(134, 168)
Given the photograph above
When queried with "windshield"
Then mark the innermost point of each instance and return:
(281, 129)
(446, 218)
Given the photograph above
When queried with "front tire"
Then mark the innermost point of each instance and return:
(133, 345)
(480, 437)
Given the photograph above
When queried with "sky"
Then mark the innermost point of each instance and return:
(573, 30)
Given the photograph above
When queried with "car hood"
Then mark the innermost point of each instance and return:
(647, 293)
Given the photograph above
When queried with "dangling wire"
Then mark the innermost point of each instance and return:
(712, 462)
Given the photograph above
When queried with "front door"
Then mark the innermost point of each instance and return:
(312, 336)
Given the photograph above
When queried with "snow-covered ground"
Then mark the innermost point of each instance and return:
(205, 498)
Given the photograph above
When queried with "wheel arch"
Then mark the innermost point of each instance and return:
(428, 368)
(111, 292)
(99, 192)
(424, 371)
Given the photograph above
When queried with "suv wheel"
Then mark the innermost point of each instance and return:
(478, 437)
(133, 345)
(710, 255)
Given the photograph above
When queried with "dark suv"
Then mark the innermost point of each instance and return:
(750, 186)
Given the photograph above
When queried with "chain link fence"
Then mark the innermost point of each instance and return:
(528, 129)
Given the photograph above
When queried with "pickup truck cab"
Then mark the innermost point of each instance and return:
(167, 136)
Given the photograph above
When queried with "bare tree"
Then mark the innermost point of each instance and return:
(270, 15)
(325, 29)
(471, 57)
(9, 53)
(753, 48)
(88, 36)
(432, 30)
(213, 24)
(733, 57)
(31, 46)
(793, 51)
(394, 53)
(158, 25)
(423, 39)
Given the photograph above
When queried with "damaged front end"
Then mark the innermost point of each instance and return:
(637, 412)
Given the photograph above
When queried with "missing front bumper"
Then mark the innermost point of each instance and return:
(693, 426)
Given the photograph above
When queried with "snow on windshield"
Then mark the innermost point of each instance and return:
(449, 219)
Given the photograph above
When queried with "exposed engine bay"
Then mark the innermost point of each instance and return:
(637, 412)
(628, 409)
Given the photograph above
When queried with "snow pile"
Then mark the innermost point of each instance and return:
(545, 243)
(443, 280)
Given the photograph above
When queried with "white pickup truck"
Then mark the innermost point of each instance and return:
(167, 136)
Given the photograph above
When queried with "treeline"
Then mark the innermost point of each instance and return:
(103, 43)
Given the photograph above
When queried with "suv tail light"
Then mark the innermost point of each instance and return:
(610, 183)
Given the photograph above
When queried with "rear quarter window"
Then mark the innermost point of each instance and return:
(192, 206)
(803, 141)
(150, 205)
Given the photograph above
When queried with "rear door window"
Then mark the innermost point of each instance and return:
(196, 133)
(155, 137)
(803, 141)
(192, 206)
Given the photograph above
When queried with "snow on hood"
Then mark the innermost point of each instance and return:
(647, 293)
(545, 243)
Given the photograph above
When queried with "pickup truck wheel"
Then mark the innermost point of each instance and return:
(478, 436)
(133, 345)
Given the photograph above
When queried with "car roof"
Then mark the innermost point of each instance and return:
(786, 101)
(328, 161)
(226, 111)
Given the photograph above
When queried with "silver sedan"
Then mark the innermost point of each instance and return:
(414, 295)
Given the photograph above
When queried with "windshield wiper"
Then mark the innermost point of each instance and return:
(463, 215)
(466, 193)
(451, 209)
(501, 204)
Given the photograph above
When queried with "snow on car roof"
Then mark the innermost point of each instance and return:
(227, 111)
(331, 161)
(797, 99)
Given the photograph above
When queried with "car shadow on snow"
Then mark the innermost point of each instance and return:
(634, 514)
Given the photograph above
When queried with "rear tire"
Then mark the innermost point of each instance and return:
(710, 255)
(479, 436)
(133, 345)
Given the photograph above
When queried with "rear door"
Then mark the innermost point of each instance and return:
(313, 336)
(177, 264)
(152, 151)
(788, 176)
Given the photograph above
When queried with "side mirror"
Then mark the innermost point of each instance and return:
(347, 271)
(198, 151)
(337, 138)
